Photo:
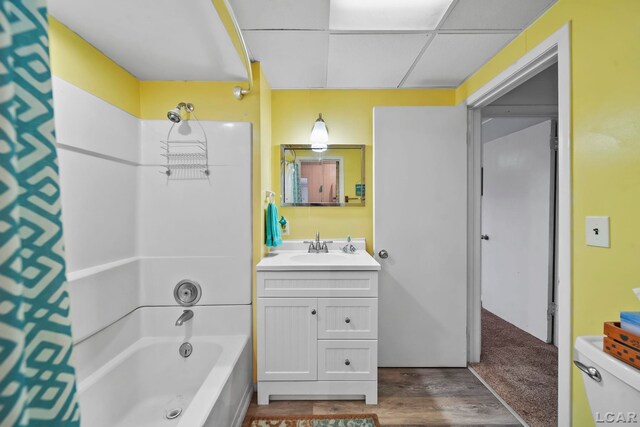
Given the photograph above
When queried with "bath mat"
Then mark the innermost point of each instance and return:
(360, 420)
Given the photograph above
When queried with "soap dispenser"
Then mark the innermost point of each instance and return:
(349, 248)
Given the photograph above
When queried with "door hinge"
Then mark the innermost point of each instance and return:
(554, 143)
(552, 309)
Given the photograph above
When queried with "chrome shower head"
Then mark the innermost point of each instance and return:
(174, 115)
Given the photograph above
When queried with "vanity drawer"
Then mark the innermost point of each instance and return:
(347, 318)
(281, 284)
(347, 360)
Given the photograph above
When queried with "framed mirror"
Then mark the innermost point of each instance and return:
(334, 177)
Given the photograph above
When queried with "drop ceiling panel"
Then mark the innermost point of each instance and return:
(451, 58)
(282, 14)
(371, 60)
(291, 59)
(384, 15)
(156, 39)
(494, 14)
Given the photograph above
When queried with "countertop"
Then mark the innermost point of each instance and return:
(304, 261)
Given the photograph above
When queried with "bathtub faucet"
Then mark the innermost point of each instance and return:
(186, 315)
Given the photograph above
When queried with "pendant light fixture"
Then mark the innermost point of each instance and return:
(319, 135)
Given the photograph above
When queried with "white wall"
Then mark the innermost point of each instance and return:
(516, 208)
(497, 127)
(130, 233)
(541, 89)
(200, 230)
(98, 151)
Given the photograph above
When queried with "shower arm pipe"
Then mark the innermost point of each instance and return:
(231, 24)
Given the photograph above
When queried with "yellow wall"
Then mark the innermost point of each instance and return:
(79, 63)
(349, 117)
(605, 56)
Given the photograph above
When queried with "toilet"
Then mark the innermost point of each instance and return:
(613, 387)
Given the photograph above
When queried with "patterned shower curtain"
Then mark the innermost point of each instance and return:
(37, 379)
(295, 184)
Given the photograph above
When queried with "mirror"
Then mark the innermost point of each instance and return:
(334, 177)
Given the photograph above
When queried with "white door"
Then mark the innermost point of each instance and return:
(287, 339)
(517, 216)
(420, 220)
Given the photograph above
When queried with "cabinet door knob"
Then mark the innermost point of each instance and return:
(313, 311)
(347, 320)
(383, 254)
(347, 362)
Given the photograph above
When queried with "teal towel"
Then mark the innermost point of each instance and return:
(273, 234)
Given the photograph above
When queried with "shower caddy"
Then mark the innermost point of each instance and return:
(185, 158)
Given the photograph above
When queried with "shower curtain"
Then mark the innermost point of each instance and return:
(295, 184)
(37, 379)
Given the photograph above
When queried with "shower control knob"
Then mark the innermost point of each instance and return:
(383, 254)
(187, 292)
(347, 362)
(313, 312)
(347, 320)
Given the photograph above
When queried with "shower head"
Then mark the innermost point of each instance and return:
(174, 115)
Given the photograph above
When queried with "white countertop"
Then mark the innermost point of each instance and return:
(297, 260)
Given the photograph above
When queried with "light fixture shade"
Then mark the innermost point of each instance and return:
(319, 135)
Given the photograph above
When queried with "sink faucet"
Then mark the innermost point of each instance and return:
(316, 246)
(186, 315)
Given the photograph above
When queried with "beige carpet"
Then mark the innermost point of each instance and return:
(522, 369)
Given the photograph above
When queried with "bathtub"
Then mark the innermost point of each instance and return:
(149, 383)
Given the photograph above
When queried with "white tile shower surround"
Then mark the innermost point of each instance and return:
(130, 234)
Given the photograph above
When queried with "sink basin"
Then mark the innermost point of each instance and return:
(319, 258)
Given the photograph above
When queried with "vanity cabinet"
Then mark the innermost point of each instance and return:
(317, 335)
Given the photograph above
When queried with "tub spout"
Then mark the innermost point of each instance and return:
(186, 315)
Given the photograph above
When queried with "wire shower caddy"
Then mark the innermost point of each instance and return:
(186, 159)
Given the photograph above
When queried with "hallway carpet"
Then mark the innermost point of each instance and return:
(522, 369)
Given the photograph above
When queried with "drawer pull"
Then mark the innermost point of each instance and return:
(347, 320)
(313, 312)
(347, 362)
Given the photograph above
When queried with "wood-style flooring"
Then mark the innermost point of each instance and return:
(411, 397)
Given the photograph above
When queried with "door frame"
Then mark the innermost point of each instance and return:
(556, 48)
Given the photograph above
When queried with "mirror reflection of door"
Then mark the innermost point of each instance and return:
(322, 180)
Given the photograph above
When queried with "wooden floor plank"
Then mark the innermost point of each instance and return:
(411, 397)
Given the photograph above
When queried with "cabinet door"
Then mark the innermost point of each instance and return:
(287, 339)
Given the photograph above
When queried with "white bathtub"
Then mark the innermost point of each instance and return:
(142, 383)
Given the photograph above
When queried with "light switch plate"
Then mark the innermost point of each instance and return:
(598, 231)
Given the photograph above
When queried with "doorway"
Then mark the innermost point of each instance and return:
(518, 250)
(555, 49)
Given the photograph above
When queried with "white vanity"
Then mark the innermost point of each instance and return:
(317, 325)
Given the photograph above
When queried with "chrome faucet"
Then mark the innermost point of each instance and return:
(186, 315)
(316, 246)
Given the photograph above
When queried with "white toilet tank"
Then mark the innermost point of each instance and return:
(615, 399)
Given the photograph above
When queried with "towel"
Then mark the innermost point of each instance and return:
(273, 234)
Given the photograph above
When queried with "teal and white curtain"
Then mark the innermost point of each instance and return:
(37, 379)
(292, 183)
